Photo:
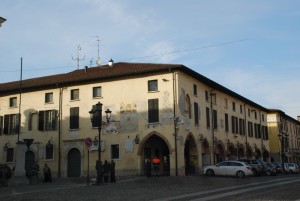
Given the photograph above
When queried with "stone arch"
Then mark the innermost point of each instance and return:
(231, 151)
(190, 154)
(266, 155)
(219, 152)
(154, 144)
(205, 151)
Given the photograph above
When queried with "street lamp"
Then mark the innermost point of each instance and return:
(96, 119)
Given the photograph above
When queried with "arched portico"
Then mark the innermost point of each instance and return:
(219, 152)
(155, 144)
(190, 155)
(205, 153)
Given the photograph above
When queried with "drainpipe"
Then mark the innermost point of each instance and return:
(59, 131)
(175, 121)
(246, 131)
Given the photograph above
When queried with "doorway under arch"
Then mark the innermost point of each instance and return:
(190, 155)
(74, 163)
(152, 146)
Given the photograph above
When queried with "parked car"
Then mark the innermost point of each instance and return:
(258, 166)
(294, 168)
(229, 168)
(271, 169)
(278, 167)
(285, 167)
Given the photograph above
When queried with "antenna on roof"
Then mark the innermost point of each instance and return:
(78, 59)
(98, 61)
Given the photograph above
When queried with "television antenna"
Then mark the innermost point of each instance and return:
(78, 59)
(98, 60)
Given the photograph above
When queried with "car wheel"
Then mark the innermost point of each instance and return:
(210, 172)
(255, 172)
(268, 173)
(240, 174)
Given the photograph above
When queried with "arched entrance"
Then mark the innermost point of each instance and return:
(249, 153)
(240, 152)
(257, 154)
(74, 163)
(205, 153)
(190, 155)
(219, 152)
(153, 146)
(231, 153)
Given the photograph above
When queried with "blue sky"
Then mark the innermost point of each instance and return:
(249, 46)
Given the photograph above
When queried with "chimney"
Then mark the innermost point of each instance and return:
(111, 63)
(86, 69)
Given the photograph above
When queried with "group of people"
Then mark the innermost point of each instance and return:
(33, 173)
(105, 170)
(155, 163)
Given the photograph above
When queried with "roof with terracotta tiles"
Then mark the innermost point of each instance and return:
(117, 71)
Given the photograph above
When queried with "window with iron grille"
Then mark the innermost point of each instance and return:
(97, 92)
(49, 97)
(75, 94)
(152, 85)
(13, 102)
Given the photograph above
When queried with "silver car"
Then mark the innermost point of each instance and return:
(229, 168)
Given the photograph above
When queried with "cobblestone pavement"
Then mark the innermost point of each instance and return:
(133, 188)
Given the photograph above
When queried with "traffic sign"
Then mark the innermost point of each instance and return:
(88, 142)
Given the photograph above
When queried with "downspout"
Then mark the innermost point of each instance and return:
(246, 131)
(59, 131)
(175, 121)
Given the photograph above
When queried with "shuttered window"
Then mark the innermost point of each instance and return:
(47, 120)
(226, 123)
(196, 113)
(215, 117)
(1, 125)
(74, 118)
(153, 111)
(11, 124)
(207, 118)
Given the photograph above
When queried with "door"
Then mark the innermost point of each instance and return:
(74, 163)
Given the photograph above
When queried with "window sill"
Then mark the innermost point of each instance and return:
(74, 100)
(153, 91)
(98, 97)
(46, 103)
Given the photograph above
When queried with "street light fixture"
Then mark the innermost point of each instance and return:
(96, 119)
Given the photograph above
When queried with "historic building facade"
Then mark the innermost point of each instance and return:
(163, 110)
(284, 134)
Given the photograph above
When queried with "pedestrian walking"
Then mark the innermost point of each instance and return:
(98, 168)
(156, 163)
(148, 167)
(112, 171)
(47, 174)
(105, 171)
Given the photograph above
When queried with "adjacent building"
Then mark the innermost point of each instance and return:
(163, 110)
(284, 134)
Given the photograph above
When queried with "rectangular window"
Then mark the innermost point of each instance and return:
(242, 126)
(225, 103)
(263, 117)
(250, 129)
(215, 118)
(152, 85)
(11, 124)
(47, 120)
(97, 92)
(233, 106)
(153, 111)
(13, 102)
(196, 113)
(195, 90)
(241, 109)
(74, 117)
(207, 118)
(206, 95)
(233, 124)
(75, 94)
(249, 112)
(10, 155)
(226, 123)
(266, 133)
(49, 98)
(115, 151)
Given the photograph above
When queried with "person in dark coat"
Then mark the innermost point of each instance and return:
(105, 171)
(112, 171)
(99, 171)
(47, 173)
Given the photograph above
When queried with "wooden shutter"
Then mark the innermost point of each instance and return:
(1, 125)
(196, 113)
(54, 117)
(74, 118)
(215, 113)
(6, 124)
(153, 111)
(226, 122)
(41, 120)
(207, 118)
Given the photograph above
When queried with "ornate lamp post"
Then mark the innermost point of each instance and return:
(96, 119)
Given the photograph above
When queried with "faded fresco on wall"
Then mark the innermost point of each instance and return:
(167, 112)
(129, 117)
